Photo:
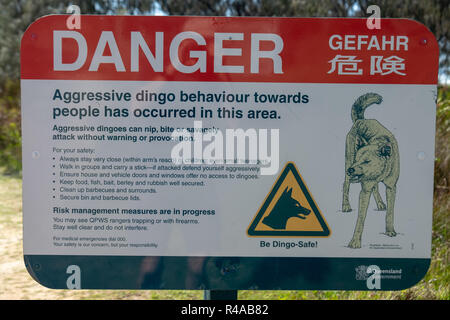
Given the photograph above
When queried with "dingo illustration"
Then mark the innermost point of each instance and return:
(285, 208)
(371, 157)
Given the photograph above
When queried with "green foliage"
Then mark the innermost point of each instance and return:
(442, 164)
(11, 153)
(10, 131)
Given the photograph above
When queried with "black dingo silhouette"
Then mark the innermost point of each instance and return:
(285, 208)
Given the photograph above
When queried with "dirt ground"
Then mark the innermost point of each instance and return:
(17, 284)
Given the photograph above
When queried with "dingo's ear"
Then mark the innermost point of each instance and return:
(385, 151)
(288, 192)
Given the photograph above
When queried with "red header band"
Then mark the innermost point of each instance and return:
(295, 50)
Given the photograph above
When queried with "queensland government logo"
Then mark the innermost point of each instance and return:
(373, 274)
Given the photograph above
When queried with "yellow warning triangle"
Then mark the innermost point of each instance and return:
(289, 210)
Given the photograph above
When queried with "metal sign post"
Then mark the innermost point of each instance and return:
(220, 295)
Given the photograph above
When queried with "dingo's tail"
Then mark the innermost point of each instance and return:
(362, 103)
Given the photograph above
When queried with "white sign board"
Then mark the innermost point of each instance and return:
(178, 137)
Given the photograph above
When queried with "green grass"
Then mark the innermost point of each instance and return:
(17, 284)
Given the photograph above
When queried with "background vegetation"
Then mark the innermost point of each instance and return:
(16, 15)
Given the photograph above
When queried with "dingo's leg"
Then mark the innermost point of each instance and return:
(390, 199)
(376, 194)
(364, 197)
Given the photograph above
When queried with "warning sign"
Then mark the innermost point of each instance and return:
(289, 210)
(149, 143)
